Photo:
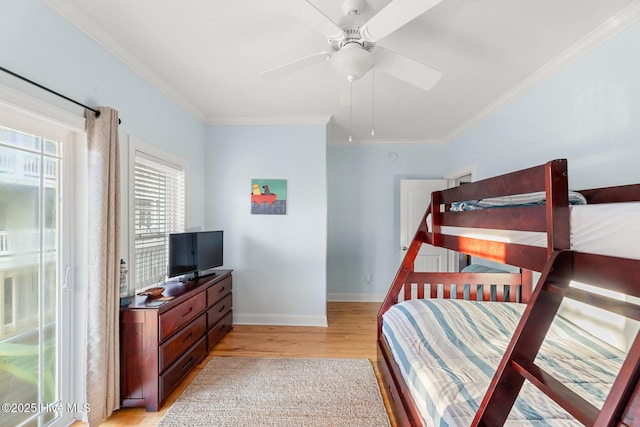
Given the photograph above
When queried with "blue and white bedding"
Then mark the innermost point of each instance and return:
(528, 199)
(448, 351)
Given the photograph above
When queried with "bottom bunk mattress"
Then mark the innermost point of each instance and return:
(448, 351)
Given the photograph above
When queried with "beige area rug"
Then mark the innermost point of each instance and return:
(255, 392)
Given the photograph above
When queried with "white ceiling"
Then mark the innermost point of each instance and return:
(207, 55)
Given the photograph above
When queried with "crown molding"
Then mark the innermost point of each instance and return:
(614, 25)
(87, 26)
(268, 120)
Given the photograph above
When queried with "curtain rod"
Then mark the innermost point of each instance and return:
(97, 112)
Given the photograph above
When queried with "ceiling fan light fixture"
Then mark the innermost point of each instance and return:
(352, 61)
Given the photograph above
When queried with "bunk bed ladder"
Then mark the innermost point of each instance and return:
(622, 405)
(407, 267)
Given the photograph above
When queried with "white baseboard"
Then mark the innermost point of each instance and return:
(301, 320)
(340, 297)
(279, 319)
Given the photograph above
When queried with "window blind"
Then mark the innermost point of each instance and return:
(159, 206)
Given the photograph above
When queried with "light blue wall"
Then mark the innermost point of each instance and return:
(364, 201)
(279, 261)
(587, 113)
(39, 44)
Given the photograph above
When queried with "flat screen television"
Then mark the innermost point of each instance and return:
(182, 254)
(191, 253)
(209, 249)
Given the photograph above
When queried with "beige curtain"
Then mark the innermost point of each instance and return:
(103, 349)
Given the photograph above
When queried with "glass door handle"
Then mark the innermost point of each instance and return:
(67, 285)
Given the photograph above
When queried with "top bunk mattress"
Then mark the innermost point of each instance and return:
(449, 350)
(605, 229)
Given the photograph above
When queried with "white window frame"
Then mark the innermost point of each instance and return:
(138, 147)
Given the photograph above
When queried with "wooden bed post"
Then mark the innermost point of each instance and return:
(436, 228)
(557, 206)
(526, 286)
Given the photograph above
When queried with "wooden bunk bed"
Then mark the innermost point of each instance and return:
(618, 403)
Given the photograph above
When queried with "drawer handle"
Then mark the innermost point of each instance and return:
(222, 309)
(188, 337)
(188, 311)
(222, 289)
(186, 365)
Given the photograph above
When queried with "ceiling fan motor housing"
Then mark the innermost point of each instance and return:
(352, 7)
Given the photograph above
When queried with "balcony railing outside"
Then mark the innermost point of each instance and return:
(26, 242)
(4, 243)
(21, 166)
(151, 259)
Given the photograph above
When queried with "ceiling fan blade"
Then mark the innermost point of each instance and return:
(393, 16)
(314, 17)
(406, 69)
(296, 65)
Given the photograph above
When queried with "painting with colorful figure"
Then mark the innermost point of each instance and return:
(269, 196)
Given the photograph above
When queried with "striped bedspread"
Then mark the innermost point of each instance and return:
(448, 351)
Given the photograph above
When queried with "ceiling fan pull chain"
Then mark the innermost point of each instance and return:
(373, 101)
(350, 78)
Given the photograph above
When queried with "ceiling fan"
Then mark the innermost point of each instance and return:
(353, 51)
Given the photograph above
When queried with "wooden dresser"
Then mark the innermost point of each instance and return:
(160, 345)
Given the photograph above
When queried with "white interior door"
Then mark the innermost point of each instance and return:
(415, 195)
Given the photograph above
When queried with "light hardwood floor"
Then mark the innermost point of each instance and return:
(351, 334)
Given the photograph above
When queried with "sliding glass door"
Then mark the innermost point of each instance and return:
(31, 274)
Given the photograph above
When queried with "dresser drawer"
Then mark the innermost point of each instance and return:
(176, 372)
(217, 291)
(216, 333)
(218, 310)
(179, 343)
(174, 319)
